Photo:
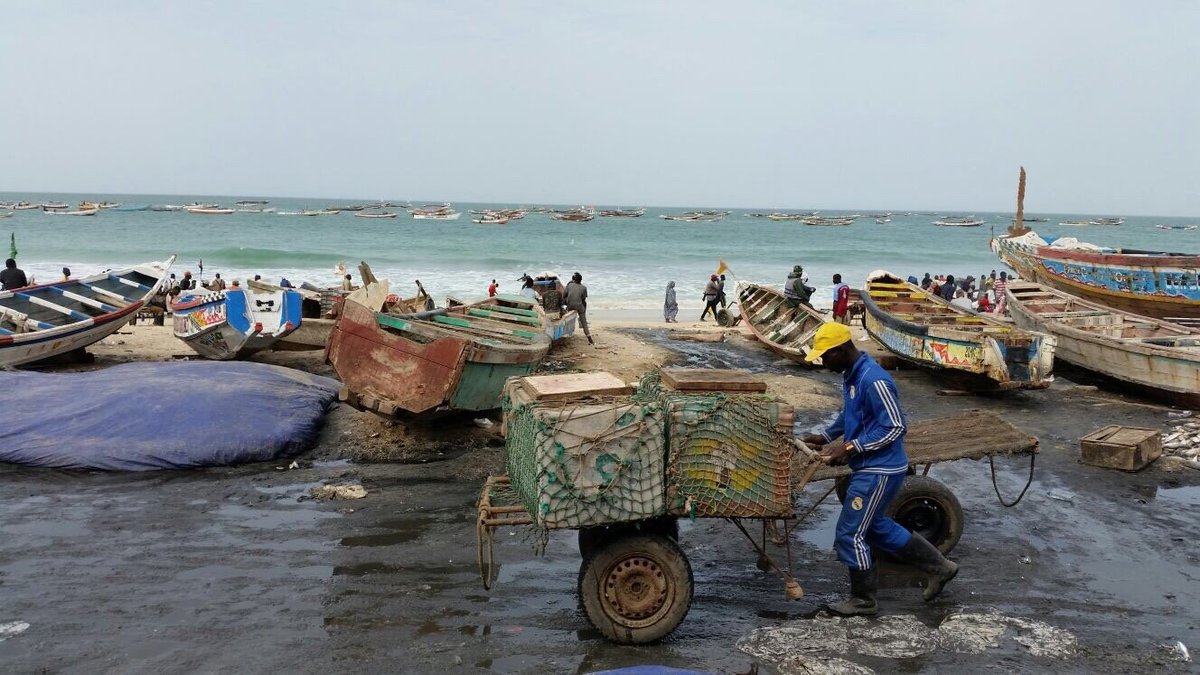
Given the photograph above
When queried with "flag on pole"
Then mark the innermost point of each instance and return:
(12, 245)
(201, 265)
(722, 268)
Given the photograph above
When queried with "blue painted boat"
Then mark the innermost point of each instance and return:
(231, 323)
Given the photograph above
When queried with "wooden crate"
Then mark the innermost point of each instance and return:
(712, 379)
(1118, 447)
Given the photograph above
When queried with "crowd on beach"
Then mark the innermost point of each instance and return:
(985, 296)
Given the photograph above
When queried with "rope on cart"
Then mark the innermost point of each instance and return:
(992, 462)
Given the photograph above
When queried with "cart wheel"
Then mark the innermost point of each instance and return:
(636, 589)
(591, 538)
(930, 509)
(484, 554)
(725, 318)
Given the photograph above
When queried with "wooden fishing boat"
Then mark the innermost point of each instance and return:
(444, 215)
(787, 331)
(223, 325)
(81, 212)
(202, 211)
(439, 361)
(831, 221)
(958, 222)
(1075, 223)
(491, 220)
(1176, 227)
(574, 215)
(130, 207)
(39, 322)
(1160, 357)
(925, 330)
(1155, 284)
(376, 215)
(1106, 221)
(623, 213)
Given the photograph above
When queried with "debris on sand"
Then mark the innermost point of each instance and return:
(343, 491)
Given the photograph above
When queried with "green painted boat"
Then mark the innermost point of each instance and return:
(444, 360)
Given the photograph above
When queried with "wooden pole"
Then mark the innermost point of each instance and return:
(1018, 227)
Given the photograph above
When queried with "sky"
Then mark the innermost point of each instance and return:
(796, 104)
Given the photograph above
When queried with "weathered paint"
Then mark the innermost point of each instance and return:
(784, 330)
(1157, 285)
(224, 325)
(481, 384)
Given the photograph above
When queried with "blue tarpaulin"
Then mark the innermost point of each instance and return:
(146, 416)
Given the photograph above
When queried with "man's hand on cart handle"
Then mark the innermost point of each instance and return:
(814, 440)
(836, 455)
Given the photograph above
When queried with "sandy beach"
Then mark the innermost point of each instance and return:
(149, 571)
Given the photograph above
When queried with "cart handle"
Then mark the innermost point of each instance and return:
(802, 447)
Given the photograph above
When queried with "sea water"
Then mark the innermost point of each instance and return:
(625, 262)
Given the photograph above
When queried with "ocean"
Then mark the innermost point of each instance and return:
(625, 262)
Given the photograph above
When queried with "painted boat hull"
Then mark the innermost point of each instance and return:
(36, 342)
(1100, 339)
(310, 334)
(224, 325)
(955, 340)
(421, 364)
(787, 331)
(1160, 286)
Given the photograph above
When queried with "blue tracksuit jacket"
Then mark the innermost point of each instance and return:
(871, 420)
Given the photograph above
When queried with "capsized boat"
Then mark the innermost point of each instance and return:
(234, 322)
(448, 359)
(1155, 284)
(925, 330)
(1155, 355)
(787, 331)
(43, 321)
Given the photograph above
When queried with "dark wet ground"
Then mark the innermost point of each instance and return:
(229, 570)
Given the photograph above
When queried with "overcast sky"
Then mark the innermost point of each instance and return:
(772, 104)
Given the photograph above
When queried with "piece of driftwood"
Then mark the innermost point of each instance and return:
(711, 379)
(973, 434)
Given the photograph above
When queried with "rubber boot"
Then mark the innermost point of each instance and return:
(862, 595)
(924, 556)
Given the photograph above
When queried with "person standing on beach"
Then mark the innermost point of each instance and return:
(872, 426)
(712, 294)
(12, 277)
(670, 304)
(926, 282)
(187, 283)
(998, 289)
(347, 283)
(721, 288)
(492, 288)
(217, 284)
(841, 300)
(946, 292)
(575, 298)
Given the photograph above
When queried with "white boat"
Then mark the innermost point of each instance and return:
(1153, 354)
(375, 215)
(81, 212)
(39, 322)
(205, 211)
(1106, 221)
(958, 222)
(491, 220)
(1075, 223)
(444, 215)
(226, 324)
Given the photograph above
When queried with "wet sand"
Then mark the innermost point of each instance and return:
(236, 569)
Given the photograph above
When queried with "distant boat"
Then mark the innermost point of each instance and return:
(830, 221)
(375, 215)
(256, 209)
(6, 214)
(574, 216)
(958, 222)
(1075, 223)
(131, 207)
(1162, 285)
(696, 216)
(201, 211)
(918, 327)
(441, 215)
(108, 205)
(223, 325)
(883, 221)
(25, 206)
(623, 213)
(43, 321)
(1152, 354)
(1106, 221)
(55, 206)
(252, 202)
(491, 220)
(81, 212)
(1165, 227)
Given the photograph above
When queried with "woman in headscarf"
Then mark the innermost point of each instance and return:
(670, 305)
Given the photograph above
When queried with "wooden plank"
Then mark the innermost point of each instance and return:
(711, 379)
(574, 385)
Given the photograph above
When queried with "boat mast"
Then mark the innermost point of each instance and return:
(1018, 227)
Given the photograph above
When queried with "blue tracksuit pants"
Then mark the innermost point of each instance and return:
(863, 525)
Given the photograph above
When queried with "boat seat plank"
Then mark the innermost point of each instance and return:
(42, 302)
(107, 293)
(129, 282)
(4, 331)
(83, 299)
(485, 313)
(504, 309)
(711, 379)
(1080, 313)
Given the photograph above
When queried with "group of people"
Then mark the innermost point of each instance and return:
(13, 277)
(965, 293)
(555, 296)
(796, 292)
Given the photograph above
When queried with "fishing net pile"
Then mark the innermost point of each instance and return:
(657, 452)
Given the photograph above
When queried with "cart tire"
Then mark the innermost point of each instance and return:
(927, 507)
(636, 589)
(591, 538)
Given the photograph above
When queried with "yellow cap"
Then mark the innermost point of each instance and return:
(828, 336)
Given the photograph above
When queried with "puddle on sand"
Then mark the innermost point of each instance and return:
(716, 354)
(1183, 496)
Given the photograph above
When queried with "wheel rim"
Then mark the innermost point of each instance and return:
(924, 516)
(637, 591)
